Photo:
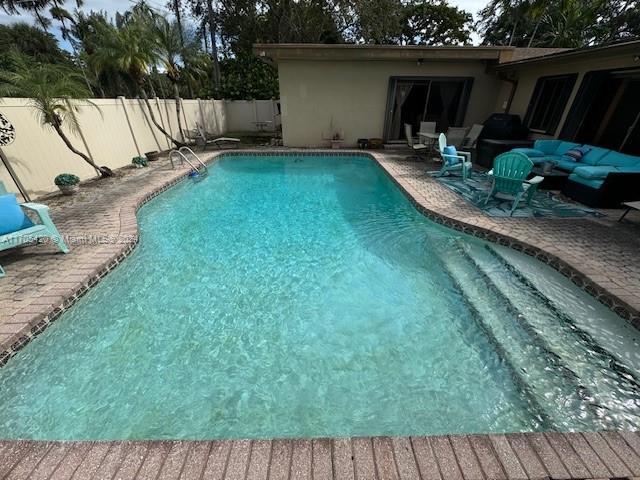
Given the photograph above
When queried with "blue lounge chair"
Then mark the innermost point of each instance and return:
(452, 160)
(509, 175)
(17, 229)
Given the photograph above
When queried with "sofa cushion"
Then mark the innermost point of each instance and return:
(546, 146)
(589, 182)
(598, 172)
(576, 153)
(567, 165)
(563, 147)
(635, 169)
(594, 155)
(12, 218)
(619, 160)
(530, 152)
(448, 153)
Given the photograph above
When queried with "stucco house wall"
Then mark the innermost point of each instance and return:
(527, 74)
(351, 96)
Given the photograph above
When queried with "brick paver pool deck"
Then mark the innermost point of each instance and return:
(100, 225)
(472, 457)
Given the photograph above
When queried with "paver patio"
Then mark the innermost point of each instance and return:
(101, 227)
(468, 457)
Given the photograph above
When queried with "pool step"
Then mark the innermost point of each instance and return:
(574, 349)
(584, 312)
(555, 389)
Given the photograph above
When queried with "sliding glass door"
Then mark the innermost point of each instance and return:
(412, 100)
(606, 111)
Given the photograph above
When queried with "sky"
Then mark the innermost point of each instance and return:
(113, 6)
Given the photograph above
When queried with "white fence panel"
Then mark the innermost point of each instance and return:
(114, 133)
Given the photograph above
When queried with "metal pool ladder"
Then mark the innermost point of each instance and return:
(182, 156)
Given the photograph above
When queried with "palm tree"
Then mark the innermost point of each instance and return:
(168, 50)
(53, 91)
(131, 50)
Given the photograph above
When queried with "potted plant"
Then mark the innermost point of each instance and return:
(68, 183)
(336, 140)
(139, 162)
(152, 156)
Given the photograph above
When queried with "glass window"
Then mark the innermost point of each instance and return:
(548, 101)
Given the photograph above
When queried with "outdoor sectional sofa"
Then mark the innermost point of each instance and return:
(601, 178)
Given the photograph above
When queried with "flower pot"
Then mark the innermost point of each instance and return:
(152, 156)
(69, 189)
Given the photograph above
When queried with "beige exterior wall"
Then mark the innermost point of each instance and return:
(528, 75)
(38, 154)
(352, 95)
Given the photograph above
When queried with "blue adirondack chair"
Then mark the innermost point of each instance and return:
(453, 162)
(509, 176)
(30, 231)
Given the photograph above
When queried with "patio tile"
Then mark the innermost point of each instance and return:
(280, 460)
(172, 467)
(548, 456)
(588, 456)
(238, 460)
(486, 455)
(527, 456)
(217, 462)
(260, 459)
(445, 457)
(363, 457)
(28, 463)
(507, 457)
(405, 459)
(385, 462)
(467, 459)
(343, 467)
(322, 465)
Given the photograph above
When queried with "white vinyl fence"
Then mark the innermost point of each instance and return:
(113, 133)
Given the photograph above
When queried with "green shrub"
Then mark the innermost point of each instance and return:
(142, 161)
(66, 180)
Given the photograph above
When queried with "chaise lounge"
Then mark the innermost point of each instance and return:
(598, 177)
(16, 228)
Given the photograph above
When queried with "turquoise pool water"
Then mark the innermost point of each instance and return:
(286, 296)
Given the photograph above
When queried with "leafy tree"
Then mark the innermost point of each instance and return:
(53, 91)
(247, 77)
(34, 43)
(436, 23)
(132, 50)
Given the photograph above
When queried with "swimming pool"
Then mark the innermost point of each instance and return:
(305, 296)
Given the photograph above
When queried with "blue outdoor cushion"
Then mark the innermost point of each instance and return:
(12, 218)
(567, 165)
(597, 173)
(450, 150)
(564, 147)
(589, 182)
(595, 155)
(618, 159)
(547, 147)
(576, 154)
(529, 152)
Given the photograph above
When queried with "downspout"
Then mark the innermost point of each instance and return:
(512, 93)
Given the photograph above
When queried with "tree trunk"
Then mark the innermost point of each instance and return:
(176, 94)
(40, 19)
(513, 32)
(104, 172)
(214, 47)
(155, 122)
(176, 9)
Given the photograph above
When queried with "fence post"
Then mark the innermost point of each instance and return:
(126, 114)
(184, 117)
(162, 122)
(148, 120)
(204, 127)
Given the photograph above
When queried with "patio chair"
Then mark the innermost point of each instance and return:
(456, 136)
(205, 138)
(413, 142)
(472, 136)
(452, 160)
(509, 176)
(17, 229)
